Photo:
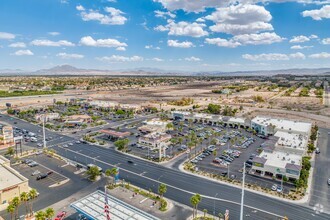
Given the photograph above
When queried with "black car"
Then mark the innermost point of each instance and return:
(42, 176)
(130, 162)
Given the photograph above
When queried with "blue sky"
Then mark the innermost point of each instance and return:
(199, 35)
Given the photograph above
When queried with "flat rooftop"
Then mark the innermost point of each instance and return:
(284, 124)
(9, 177)
(92, 206)
(280, 159)
(289, 140)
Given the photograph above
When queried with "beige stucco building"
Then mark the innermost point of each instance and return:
(12, 183)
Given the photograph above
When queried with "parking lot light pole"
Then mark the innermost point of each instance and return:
(214, 203)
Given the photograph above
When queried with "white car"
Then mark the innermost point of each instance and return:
(77, 142)
(274, 187)
(35, 173)
(65, 146)
(70, 144)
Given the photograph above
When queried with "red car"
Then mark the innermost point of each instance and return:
(60, 216)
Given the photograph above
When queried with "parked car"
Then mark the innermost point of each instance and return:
(279, 189)
(36, 172)
(274, 187)
(329, 181)
(42, 176)
(60, 216)
(33, 164)
(50, 172)
(317, 150)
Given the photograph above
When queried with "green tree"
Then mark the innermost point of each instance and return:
(213, 108)
(162, 190)
(170, 126)
(49, 213)
(215, 153)
(16, 202)
(10, 151)
(205, 212)
(32, 195)
(194, 201)
(93, 172)
(25, 198)
(11, 209)
(121, 144)
(220, 215)
(40, 215)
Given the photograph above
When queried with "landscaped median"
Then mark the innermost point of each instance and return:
(295, 194)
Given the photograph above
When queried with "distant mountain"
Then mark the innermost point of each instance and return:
(147, 71)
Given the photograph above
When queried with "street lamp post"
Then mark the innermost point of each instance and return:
(214, 203)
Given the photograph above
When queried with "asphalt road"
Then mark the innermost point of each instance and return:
(181, 185)
(320, 194)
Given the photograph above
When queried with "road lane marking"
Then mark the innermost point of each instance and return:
(177, 188)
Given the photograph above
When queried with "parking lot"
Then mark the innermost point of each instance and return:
(226, 157)
(41, 173)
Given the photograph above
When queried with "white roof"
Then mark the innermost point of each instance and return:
(9, 177)
(3, 160)
(289, 140)
(284, 124)
(93, 207)
(280, 159)
(237, 120)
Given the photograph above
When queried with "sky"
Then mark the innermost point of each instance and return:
(182, 35)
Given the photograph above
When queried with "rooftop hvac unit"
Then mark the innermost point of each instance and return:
(292, 161)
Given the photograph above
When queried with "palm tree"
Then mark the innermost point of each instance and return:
(11, 209)
(16, 203)
(40, 215)
(205, 212)
(108, 174)
(195, 200)
(49, 213)
(32, 195)
(25, 198)
(190, 145)
(93, 172)
(114, 172)
(162, 190)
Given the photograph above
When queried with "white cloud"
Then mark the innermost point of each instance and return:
(23, 53)
(202, 20)
(121, 48)
(299, 39)
(54, 33)
(299, 47)
(152, 47)
(183, 44)
(273, 56)
(257, 39)
(48, 43)
(241, 19)
(318, 14)
(17, 45)
(322, 55)
(114, 16)
(201, 5)
(313, 36)
(222, 42)
(164, 14)
(183, 29)
(116, 58)
(191, 5)
(193, 59)
(80, 8)
(70, 56)
(6, 36)
(326, 41)
(266, 57)
(157, 59)
(89, 41)
(298, 56)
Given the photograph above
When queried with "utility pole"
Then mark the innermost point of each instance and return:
(242, 198)
(43, 130)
